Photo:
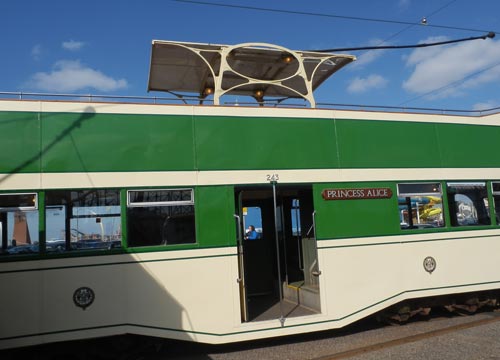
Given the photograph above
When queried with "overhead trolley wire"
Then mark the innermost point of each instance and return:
(345, 17)
(417, 23)
(490, 35)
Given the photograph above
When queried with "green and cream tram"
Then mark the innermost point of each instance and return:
(130, 218)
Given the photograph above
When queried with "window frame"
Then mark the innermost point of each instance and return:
(21, 208)
(454, 224)
(493, 191)
(36, 241)
(160, 203)
(494, 212)
(409, 194)
(165, 204)
(67, 194)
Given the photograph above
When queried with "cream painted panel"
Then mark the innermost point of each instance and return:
(116, 108)
(360, 277)
(20, 305)
(121, 179)
(190, 294)
(238, 111)
(20, 105)
(59, 311)
(20, 181)
(458, 262)
(493, 119)
(192, 178)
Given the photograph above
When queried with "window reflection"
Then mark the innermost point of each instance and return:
(160, 217)
(420, 205)
(19, 224)
(468, 204)
(83, 220)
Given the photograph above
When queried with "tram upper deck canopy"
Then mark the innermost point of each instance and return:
(258, 70)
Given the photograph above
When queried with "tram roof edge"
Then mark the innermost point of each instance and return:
(259, 70)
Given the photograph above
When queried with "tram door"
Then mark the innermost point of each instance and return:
(277, 252)
(3, 231)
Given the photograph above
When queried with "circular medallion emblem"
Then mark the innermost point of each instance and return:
(429, 264)
(83, 297)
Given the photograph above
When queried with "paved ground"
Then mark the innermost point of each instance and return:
(369, 341)
(445, 338)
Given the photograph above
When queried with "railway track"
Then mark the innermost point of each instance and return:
(364, 350)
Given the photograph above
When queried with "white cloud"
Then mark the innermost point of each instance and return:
(462, 66)
(403, 4)
(72, 45)
(360, 85)
(36, 51)
(421, 54)
(366, 58)
(370, 55)
(486, 105)
(71, 75)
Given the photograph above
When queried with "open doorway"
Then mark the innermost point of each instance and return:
(278, 262)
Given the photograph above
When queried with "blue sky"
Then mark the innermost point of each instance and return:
(103, 47)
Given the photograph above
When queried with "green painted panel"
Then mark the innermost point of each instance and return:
(387, 144)
(215, 224)
(469, 145)
(264, 143)
(355, 218)
(141, 142)
(19, 142)
(116, 142)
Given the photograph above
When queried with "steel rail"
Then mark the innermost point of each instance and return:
(363, 350)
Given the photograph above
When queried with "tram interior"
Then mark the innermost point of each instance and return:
(284, 221)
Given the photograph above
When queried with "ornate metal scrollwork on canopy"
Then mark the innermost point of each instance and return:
(258, 70)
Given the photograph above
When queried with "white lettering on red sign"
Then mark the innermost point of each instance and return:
(351, 194)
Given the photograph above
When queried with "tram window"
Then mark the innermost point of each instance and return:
(252, 216)
(295, 215)
(495, 189)
(468, 204)
(18, 201)
(420, 205)
(19, 224)
(82, 220)
(160, 217)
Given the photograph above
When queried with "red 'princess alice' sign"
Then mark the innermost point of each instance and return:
(353, 194)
